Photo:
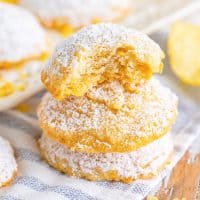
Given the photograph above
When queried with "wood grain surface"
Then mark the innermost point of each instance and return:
(184, 181)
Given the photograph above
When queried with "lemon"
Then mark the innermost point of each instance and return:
(184, 52)
(9, 1)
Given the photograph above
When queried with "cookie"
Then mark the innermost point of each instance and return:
(107, 120)
(8, 165)
(67, 15)
(97, 53)
(21, 37)
(144, 163)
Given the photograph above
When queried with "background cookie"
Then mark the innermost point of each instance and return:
(21, 36)
(8, 165)
(77, 13)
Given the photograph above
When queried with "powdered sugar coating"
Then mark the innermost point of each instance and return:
(94, 124)
(114, 95)
(21, 36)
(92, 52)
(105, 36)
(8, 165)
(77, 13)
(140, 163)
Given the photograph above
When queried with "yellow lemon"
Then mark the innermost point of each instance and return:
(9, 1)
(184, 52)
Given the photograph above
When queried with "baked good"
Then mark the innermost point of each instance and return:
(105, 117)
(100, 52)
(8, 165)
(21, 37)
(144, 162)
(183, 50)
(9, 1)
(68, 16)
(24, 49)
(18, 79)
(99, 122)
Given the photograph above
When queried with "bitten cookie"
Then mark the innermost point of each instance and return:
(21, 36)
(97, 53)
(8, 165)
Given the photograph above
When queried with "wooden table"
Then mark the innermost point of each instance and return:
(184, 181)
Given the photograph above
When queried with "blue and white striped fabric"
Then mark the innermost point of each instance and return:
(36, 180)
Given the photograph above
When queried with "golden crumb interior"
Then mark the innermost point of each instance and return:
(121, 65)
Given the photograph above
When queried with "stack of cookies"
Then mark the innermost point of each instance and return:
(105, 117)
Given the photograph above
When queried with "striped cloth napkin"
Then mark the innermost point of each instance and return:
(36, 180)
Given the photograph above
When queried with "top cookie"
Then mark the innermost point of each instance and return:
(76, 13)
(21, 36)
(100, 52)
